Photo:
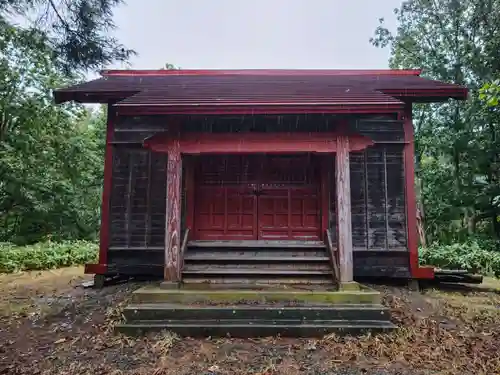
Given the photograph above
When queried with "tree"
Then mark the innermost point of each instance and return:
(51, 157)
(77, 31)
(490, 93)
(169, 66)
(457, 143)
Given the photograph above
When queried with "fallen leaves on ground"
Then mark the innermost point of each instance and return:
(440, 332)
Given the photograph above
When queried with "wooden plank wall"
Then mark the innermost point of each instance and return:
(378, 202)
(377, 190)
(137, 211)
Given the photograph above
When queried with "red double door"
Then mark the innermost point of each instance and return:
(257, 197)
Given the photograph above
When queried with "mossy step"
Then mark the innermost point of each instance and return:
(168, 311)
(156, 294)
(256, 328)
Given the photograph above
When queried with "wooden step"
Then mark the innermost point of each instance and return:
(261, 267)
(257, 244)
(257, 271)
(274, 252)
(255, 281)
(217, 257)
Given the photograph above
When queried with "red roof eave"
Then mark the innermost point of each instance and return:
(460, 93)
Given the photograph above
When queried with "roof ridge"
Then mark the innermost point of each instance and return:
(264, 72)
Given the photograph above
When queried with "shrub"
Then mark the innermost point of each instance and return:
(46, 255)
(474, 256)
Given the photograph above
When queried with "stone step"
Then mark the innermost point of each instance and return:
(300, 312)
(154, 294)
(256, 328)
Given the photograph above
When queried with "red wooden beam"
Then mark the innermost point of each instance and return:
(417, 272)
(238, 143)
(97, 269)
(106, 194)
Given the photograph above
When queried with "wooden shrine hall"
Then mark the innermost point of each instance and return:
(248, 177)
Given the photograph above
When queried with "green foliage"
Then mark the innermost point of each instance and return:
(51, 157)
(46, 255)
(78, 32)
(457, 143)
(490, 93)
(474, 255)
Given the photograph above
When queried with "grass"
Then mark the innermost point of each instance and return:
(20, 293)
(46, 255)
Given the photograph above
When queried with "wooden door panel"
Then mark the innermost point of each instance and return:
(289, 214)
(225, 214)
(257, 197)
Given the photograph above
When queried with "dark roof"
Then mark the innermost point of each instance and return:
(259, 87)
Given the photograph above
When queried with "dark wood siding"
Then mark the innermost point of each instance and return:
(377, 183)
(378, 211)
(137, 211)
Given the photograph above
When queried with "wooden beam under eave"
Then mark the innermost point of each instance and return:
(344, 210)
(238, 143)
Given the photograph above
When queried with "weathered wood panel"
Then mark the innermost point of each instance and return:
(377, 189)
(378, 212)
(133, 261)
(396, 202)
(378, 199)
(260, 123)
(358, 200)
(381, 264)
(135, 129)
(376, 183)
(137, 208)
(381, 129)
(158, 193)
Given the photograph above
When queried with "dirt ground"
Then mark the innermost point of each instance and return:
(49, 324)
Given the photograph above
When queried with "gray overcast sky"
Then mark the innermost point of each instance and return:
(234, 34)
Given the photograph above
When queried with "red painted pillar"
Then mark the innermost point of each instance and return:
(106, 193)
(173, 213)
(411, 198)
(344, 210)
